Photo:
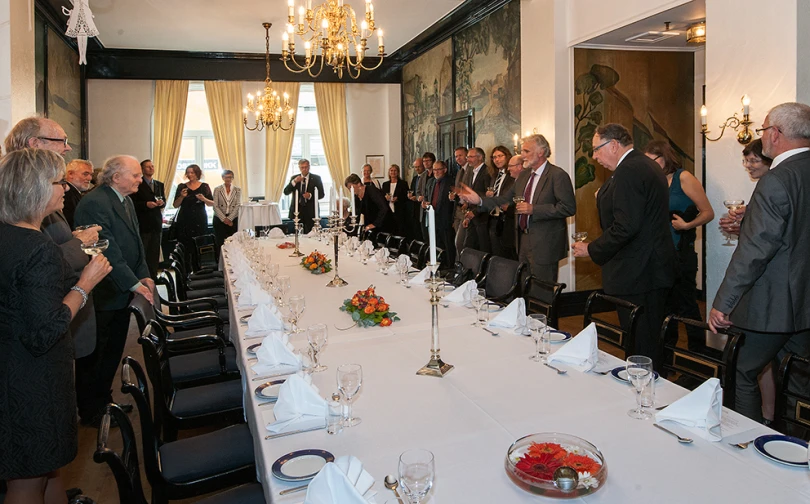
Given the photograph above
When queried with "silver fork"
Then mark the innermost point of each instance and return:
(742, 446)
(558, 370)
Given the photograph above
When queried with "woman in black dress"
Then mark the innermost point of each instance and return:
(39, 296)
(395, 190)
(190, 200)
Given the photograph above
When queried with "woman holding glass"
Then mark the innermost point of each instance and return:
(190, 199)
(395, 190)
(757, 165)
(227, 199)
(39, 296)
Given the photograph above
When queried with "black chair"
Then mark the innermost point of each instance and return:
(180, 469)
(381, 239)
(180, 325)
(543, 297)
(416, 251)
(502, 281)
(394, 245)
(179, 250)
(607, 331)
(475, 261)
(205, 252)
(196, 281)
(176, 306)
(695, 367)
(369, 234)
(186, 294)
(793, 397)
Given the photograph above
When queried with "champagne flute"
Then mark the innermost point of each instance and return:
(283, 288)
(95, 248)
(539, 328)
(296, 305)
(640, 373)
(417, 469)
(349, 380)
(732, 205)
(272, 270)
(579, 236)
(317, 336)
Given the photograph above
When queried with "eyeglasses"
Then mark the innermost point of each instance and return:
(601, 145)
(751, 162)
(63, 183)
(58, 140)
(760, 131)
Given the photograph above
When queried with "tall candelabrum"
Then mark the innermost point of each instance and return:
(336, 227)
(296, 252)
(436, 366)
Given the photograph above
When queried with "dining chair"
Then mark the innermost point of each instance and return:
(543, 297)
(503, 278)
(474, 261)
(177, 306)
(394, 245)
(607, 331)
(185, 294)
(792, 412)
(415, 251)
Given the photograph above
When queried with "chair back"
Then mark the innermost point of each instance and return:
(475, 261)
(156, 357)
(696, 366)
(543, 297)
(394, 245)
(179, 279)
(416, 251)
(502, 280)
(205, 253)
(124, 465)
(607, 331)
(793, 397)
(143, 310)
(369, 234)
(381, 239)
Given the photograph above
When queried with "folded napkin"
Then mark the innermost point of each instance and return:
(299, 406)
(276, 233)
(266, 317)
(244, 277)
(701, 409)
(421, 277)
(368, 245)
(276, 355)
(343, 481)
(254, 295)
(462, 295)
(581, 352)
(512, 317)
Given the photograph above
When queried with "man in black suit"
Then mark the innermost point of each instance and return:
(635, 249)
(502, 218)
(371, 204)
(417, 195)
(476, 220)
(78, 174)
(149, 202)
(110, 206)
(766, 290)
(438, 189)
(305, 184)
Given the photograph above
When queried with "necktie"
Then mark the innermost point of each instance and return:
(498, 183)
(304, 186)
(434, 200)
(527, 197)
(128, 211)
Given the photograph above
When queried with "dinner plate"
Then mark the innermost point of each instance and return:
(786, 450)
(620, 373)
(268, 391)
(301, 465)
(253, 348)
(559, 336)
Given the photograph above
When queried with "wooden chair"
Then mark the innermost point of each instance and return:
(607, 331)
(543, 297)
(793, 397)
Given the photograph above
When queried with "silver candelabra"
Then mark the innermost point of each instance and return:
(296, 252)
(436, 366)
(336, 227)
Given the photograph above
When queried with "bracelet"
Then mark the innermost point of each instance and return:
(82, 292)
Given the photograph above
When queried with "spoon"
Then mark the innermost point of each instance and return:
(683, 440)
(490, 331)
(742, 446)
(391, 483)
(558, 370)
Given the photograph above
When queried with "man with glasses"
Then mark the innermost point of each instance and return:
(437, 191)
(766, 289)
(78, 174)
(635, 249)
(476, 220)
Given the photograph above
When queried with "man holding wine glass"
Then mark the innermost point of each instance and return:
(149, 201)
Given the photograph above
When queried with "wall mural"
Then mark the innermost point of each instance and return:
(650, 93)
(63, 94)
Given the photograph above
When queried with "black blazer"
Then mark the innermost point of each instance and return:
(375, 210)
(444, 210)
(635, 249)
(401, 194)
(306, 208)
(150, 220)
(72, 197)
(479, 184)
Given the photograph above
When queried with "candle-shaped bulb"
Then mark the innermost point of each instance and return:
(290, 28)
(285, 41)
(380, 37)
(301, 13)
(746, 101)
(291, 9)
(286, 96)
(703, 113)
(250, 97)
(516, 138)
(364, 26)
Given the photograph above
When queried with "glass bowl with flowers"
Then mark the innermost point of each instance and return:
(316, 263)
(368, 309)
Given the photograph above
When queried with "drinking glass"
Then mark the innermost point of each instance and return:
(518, 199)
(539, 328)
(580, 236)
(334, 417)
(317, 336)
(82, 228)
(417, 469)
(296, 305)
(732, 205)
(283, 282)
(640, 373)
(478, 298)
(403, 267)
(95, 248)
(272, 270)
(349, 380)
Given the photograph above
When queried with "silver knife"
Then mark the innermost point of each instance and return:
(283, 434)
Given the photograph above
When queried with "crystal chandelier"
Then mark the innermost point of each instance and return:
(329, 31)
(269, 108)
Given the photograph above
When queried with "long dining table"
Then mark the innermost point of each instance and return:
(492, 397)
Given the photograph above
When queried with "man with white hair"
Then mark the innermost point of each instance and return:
(78, 174)
(766, 290)
(110, 206)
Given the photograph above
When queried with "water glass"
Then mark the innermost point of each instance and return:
(296, 305)
(640, 373)
(283, 287)
(334, 415)
(317, 336)
(349, 380)
(538, 325)
(417, 470)
(478, 298)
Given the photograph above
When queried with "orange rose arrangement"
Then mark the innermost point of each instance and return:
(317, 263)
(368, 309)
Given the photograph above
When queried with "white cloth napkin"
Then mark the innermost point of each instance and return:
(701, 409)
(343, 481)
(299, 406)
(276, 233)
(276, 355)
(244, 277)
(512, 317)
(368, 245)
(462, 294)
(266, 317)
(581, 352)
(421, 277)
(254, 295)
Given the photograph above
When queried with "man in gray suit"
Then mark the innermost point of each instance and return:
(542, 239)
(766, 290)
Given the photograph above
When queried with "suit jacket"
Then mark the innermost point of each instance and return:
(508, 217)
(421, 188)
(444, 208)
(72, 197)
(375, 210)
(635, 249)
(150, 220)
(479, 184)
(83, 325)
(401, 194)
(552, 202)
(229, 210)
(767, 282)
(461, 177)
(306, 208)
(125, 252)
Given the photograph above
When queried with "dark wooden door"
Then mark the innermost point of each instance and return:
(454, 130)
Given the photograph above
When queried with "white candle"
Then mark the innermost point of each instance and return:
(703, 113)
(291, 9)
(332, 199)
(432, 234)
(317, 207)
(296, 201)
(340, 203)
(746, 101)
(352, 201)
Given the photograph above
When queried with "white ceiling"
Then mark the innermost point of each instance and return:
(236, 25)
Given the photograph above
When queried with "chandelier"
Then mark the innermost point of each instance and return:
(269, 108)
(329, 31)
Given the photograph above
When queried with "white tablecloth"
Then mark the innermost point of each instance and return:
(258, 214)
(494, 395)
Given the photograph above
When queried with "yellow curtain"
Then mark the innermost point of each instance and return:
(279, 147)
(330, 100)
(171, 98)
(225, 108)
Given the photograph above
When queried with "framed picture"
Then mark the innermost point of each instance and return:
(377, 162)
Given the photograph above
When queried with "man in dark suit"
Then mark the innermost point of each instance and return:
(78, 174)
(149, 202)
(501, 226)
(438, 189)
(635, 249)
(305, 183)
(371, 204)
(476, 220)
(110, 206)
(766, 290)
(417, 195)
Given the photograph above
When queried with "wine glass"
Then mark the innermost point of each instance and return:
(403, 265)
(296, 305)
(539, 328)
(349, 380)
(640, 374)
(82, 228)
(478, 298)
(417, 469)
(317, 336)
(579, 236)
(518, 199)
(732, 205)
(272, 270)
(95, 248)
(283, 282)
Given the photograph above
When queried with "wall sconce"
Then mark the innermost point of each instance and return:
(744, 136)
(696, 34)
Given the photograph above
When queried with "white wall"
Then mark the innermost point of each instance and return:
(255, 150)
(17, 70)
(119, 118)
(803, 56)
(375, 124)
(589, 18)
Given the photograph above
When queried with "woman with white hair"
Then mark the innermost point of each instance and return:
(39, 296)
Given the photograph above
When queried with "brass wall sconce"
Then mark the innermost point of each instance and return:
(744, 136)
(696, 34)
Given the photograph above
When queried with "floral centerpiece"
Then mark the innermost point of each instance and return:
(317, 263)
(368, 309)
